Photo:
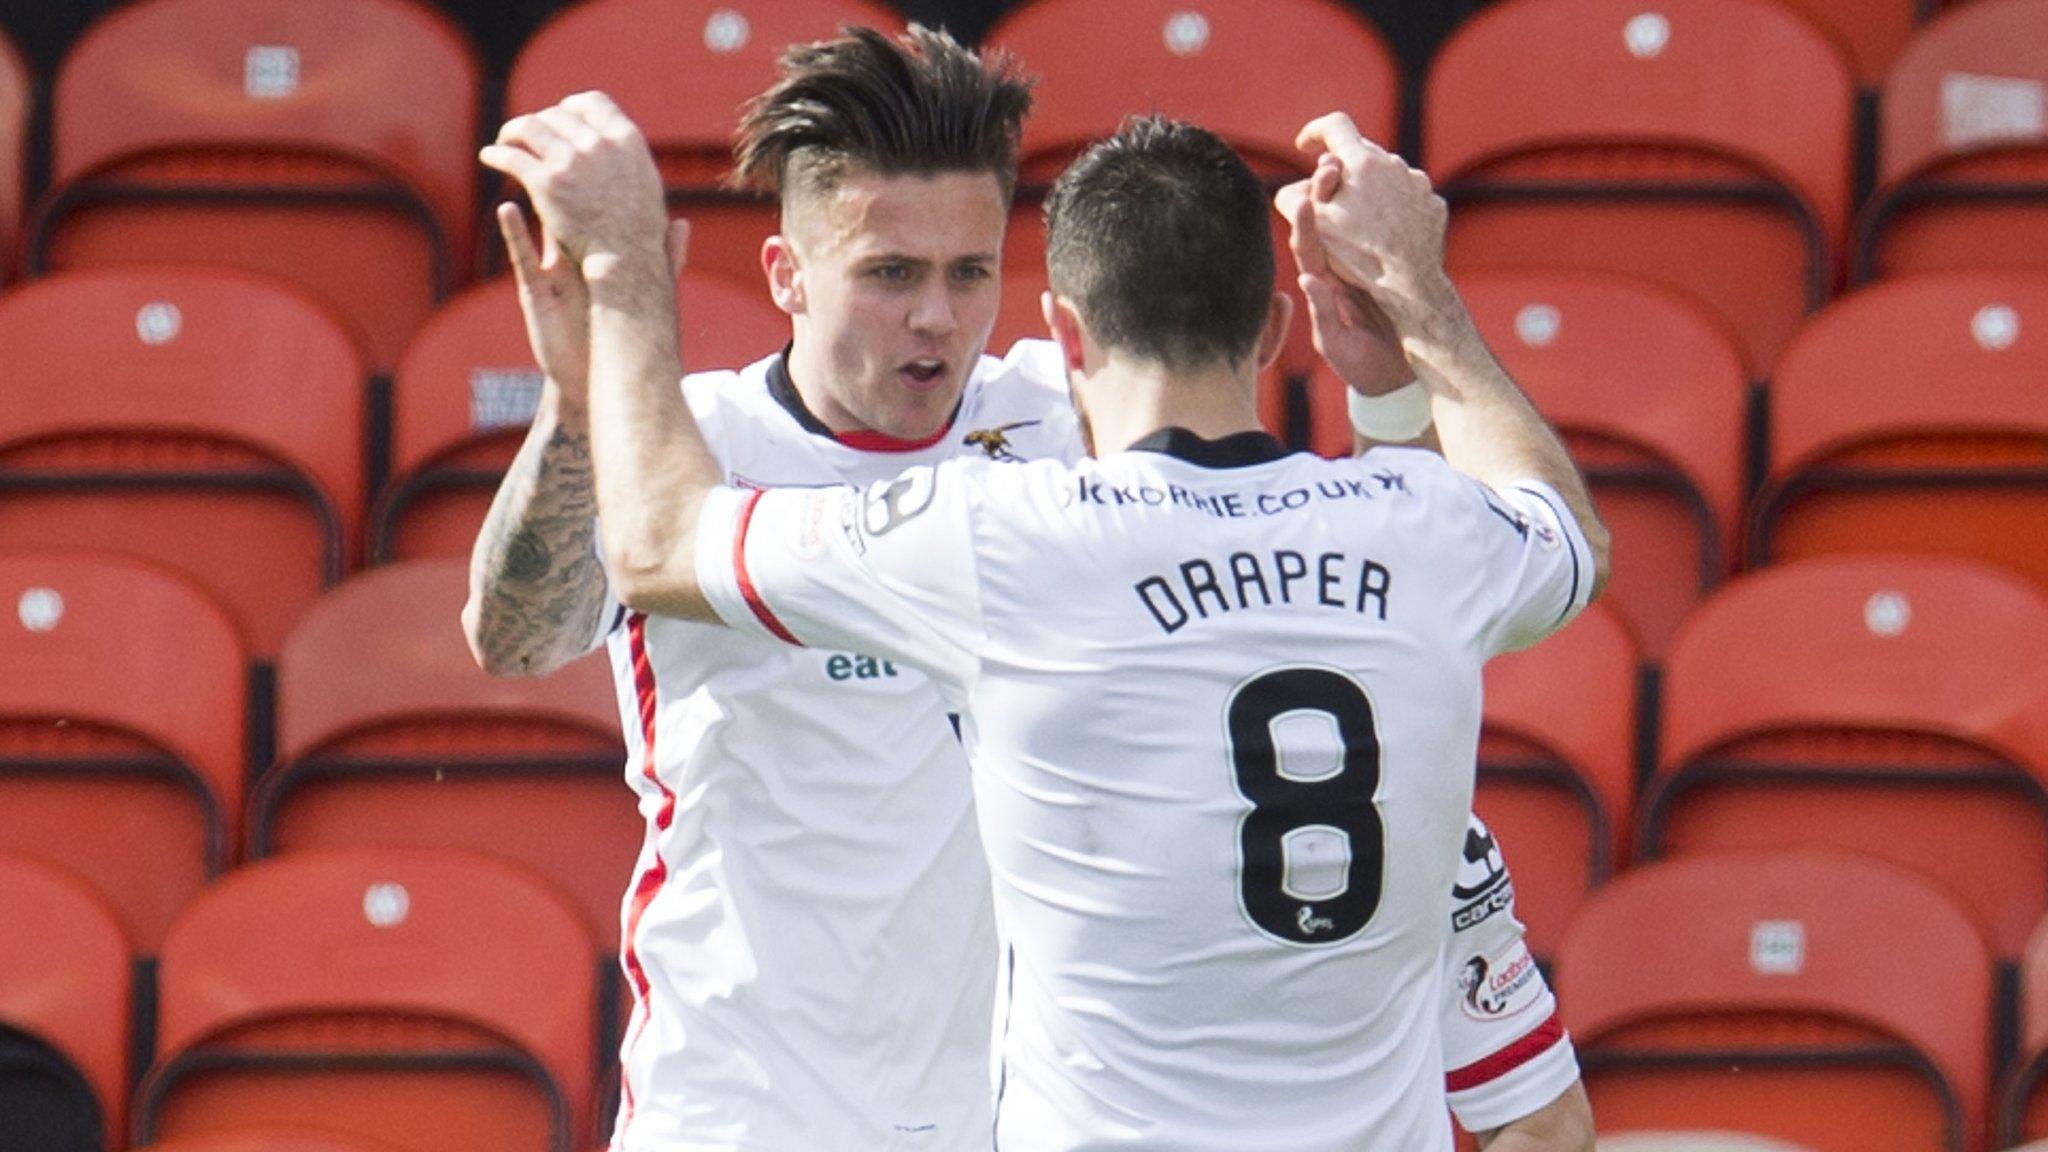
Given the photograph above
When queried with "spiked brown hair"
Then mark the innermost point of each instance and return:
(919, 104)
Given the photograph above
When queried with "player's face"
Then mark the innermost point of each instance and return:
(893, 292)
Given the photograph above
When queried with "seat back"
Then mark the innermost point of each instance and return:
(1703, 144)
(1557, 770)
(64, 1004)
(1649, 393)
(1768, 994)
(2023, 1105)
(1864, 703)
(1911, 417)
(1962, 147)
(329, 142)
(269, 1140)
(1871, 33)
(207, 420)
(683, 69)
(121, 730)
(1099, 63)
(389, 734)
(433, 1001)
(466, 391)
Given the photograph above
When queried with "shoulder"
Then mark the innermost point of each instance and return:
(724, 399)
(1017, 407)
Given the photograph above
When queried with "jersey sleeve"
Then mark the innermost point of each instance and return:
(889, 570)
(1506, 1053)
(1537, 560)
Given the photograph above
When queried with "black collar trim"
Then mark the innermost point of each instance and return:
(1238, 450)
(784, 392)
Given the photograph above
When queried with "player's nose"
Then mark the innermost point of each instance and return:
(932, 312)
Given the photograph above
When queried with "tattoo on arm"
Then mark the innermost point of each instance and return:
(539, 584)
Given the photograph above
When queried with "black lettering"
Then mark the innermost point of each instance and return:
(1244, 569)
(1327, 578)
(1231, 505)
(888, 668)
(1267, 504)
(1373, 581)
(1154, 589)
(1181, 495)
(865, 668)
(1294, 499)
(1330, 489)
(1207, 584)
(1291, 567)
(839, 667)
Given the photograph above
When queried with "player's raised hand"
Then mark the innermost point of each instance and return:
(555, 300)
(1383, 229)
(1351, 333)
(591, 178)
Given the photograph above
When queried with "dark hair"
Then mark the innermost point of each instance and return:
(1160, 237)
(918, 104)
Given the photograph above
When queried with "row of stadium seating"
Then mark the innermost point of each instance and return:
(1705, 144)
(1892, 705)
(1822, 997)
(183, 414)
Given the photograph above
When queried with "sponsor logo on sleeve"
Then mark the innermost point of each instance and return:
(1483, 887)
(808, 542)
(1499, 988)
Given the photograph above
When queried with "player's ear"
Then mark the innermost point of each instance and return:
(1065, 324)
(1273, 337)
(785, 277)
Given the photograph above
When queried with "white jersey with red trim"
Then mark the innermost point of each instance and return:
(808, 935)
(1505, 1048)
(1222, 703)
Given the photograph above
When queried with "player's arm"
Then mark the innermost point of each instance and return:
(1563, 1125)
(536, 588)
(1378, 239)
(592, 179)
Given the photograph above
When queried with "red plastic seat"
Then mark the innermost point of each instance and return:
(207, 420)
(64, 1004)
(389, 734)
(1871, 32)
(1099, 63)
(466, 390)
(2023, 1099)
(1557, 769)
(17, 102)
(683, 69)
(432, 1001)
(1962, 147)
(269, 1140)
(329, 142)
(1771, 994)
(1649, 393)
(1911, 417)
(121, 730)
(1865, 703)
(1702, 144)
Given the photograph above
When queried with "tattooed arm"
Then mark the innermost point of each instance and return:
(536, 587)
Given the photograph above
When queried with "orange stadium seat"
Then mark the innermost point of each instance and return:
(1865, 703)
(1871, 33)
(17, 103)
(1098, 63)
(1703, 144)
(1650, 395)
(269, 1140)
(1912, 417)
(64, 1004)
(465, 394)
(1557, 769)
(208, 420)
(682, 69)
(2023, 1108)
(432, 1001)
(121, 730)
(1962, 147)
(389, 734)
(1770, 993)
(330, 142)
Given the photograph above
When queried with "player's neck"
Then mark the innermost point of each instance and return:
(1129, 400)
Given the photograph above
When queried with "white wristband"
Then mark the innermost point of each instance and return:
(1395, 418)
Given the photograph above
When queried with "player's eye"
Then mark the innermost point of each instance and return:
(891, 273)
(973, 273)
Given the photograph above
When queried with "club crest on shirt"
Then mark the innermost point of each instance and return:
(996, 441)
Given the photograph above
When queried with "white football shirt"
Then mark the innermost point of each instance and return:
(1223, 706)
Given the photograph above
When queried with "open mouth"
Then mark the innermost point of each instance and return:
(923, 373)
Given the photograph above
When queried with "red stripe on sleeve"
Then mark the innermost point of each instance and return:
(1493, 1067)
(748, 592)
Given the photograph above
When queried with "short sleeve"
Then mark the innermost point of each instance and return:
(1506, 1054)
(887, 570)
(1537, 561)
